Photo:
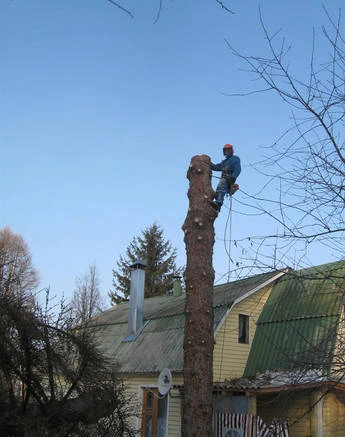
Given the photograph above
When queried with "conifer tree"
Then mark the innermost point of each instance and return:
(159, 256)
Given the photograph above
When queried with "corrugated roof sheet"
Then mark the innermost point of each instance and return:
(297, 327)
(160, 343)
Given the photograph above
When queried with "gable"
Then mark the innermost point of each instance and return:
(297, 328)
(235, 335)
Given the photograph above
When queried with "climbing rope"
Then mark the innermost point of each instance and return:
(227, 229)
(228, 226)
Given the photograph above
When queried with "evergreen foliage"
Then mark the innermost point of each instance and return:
(159, 256)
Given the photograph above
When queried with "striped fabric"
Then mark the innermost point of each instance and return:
(247, 425)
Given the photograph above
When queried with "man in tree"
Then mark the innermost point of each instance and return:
(160, 265)
(230, 168)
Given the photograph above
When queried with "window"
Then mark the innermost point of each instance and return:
(243, 328)
(234, 403)
(154, 413)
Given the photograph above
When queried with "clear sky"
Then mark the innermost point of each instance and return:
(101, 113)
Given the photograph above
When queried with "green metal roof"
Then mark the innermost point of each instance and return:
(298, 325)
(160, 343)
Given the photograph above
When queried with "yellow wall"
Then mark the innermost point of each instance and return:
(134, 389)
(229, 356)
(334, 415)
(175, 405)
(293, 406)
(312, 413)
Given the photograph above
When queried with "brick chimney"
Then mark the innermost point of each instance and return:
(136, 298)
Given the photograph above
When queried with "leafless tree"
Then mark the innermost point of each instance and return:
(222, 4)
(18, 277)
(53, 379)
(304, 173)
(87, 300)
(304, 168)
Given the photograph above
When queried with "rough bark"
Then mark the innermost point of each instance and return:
(199, 277)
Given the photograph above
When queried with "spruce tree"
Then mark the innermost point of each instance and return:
(159, 256)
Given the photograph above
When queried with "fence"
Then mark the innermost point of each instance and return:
(247, 425)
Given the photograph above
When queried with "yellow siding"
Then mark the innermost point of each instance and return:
(174, 420)
(293, 407)
(334, 415)
(175, 412)
(134, 385)
(309, 413)
(229, 356)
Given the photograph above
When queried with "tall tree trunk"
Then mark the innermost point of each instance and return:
(199, 276)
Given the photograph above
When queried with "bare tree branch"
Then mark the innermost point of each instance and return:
(224, 7)
(121, 7)
(304, 193)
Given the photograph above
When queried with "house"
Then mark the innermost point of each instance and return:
(277, 337)
(145, 337)
(296, 365)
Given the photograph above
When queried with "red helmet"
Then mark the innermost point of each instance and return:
(228, 147)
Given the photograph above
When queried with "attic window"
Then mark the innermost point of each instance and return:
(243, 329)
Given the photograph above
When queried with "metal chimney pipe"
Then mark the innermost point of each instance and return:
(177, 288)
(136, 297)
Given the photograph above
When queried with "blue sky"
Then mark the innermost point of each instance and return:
(100, 115)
